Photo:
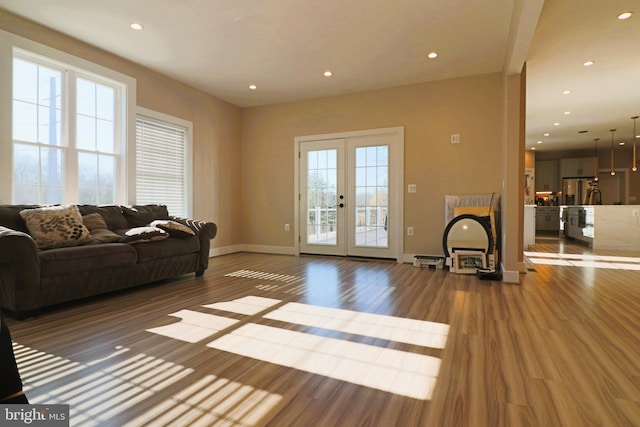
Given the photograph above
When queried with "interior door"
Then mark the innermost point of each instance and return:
(346, 198)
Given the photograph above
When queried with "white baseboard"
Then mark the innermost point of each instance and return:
(225, 250)
(276, 250)
(510, 276)
(507, 276)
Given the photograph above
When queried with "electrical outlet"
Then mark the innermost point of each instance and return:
(634, 212)
(286, 227)
(409, 231)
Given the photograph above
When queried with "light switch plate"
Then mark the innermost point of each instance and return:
(411, 188)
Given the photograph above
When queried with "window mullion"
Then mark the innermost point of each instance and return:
(69, 105)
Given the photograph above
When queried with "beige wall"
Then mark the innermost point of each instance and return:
(530, 159)
(244, 158)
(216, 124)
(430, 113)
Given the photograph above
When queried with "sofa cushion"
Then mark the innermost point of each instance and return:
(175, 229)
(55, 226)
(167, 248)
(103, 235)
(142, 235)
(112, 215)
(142, 215)
(62, 261)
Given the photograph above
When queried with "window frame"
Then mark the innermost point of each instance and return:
(125, 107)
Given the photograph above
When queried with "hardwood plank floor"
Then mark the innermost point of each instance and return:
(300, 341)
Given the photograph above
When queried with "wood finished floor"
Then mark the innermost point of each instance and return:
(561, 349)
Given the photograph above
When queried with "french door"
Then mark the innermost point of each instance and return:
(347, 195)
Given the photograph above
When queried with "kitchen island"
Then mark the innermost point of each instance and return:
(613, 227)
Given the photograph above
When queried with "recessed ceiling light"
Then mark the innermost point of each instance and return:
(533, 148)
(588, 63)
(328, 73)
(621, 143)
(253, 87)
(546, 134)
(556, 124)
(566, 92)
(566, 113)
(432, 55)
(625, 15)
(135, 26)
(538, 142)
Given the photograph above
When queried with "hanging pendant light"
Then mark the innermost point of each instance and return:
(613, 171)
(595, 164)
(635, 136)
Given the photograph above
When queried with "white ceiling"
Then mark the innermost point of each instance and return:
(603, 96)
(284, 46)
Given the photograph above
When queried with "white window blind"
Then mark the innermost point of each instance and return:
(161, 165)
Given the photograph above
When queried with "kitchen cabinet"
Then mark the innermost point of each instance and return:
(548, 218)
(547, 177)
(578, 167)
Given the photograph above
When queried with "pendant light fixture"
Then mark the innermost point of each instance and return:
(613, 171)
(595, 164)
(635, 136)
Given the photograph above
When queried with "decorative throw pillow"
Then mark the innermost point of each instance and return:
(55, 226)
(94, 221)
(98, 228)
(143, 234)
(141, 215)
(112, 215)
(174, 228)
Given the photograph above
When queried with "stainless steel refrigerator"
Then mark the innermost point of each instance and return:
(574, 190)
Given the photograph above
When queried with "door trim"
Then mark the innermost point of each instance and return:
(397, 188)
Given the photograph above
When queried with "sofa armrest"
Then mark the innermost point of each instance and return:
(205, 231)
(19, 271)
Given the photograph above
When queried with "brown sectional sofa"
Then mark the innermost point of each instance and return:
(32, 278)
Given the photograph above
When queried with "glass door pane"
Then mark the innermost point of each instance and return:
(322, 196)
(372, 196)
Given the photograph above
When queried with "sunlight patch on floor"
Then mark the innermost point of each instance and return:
(583, 260)
(201, 326)
(394, 371)
(401, 372)
(249, 274)
(211, 400)
(95, 393)
(246, 305)
(410, 331)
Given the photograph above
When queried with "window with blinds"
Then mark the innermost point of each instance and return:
(162, 164)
